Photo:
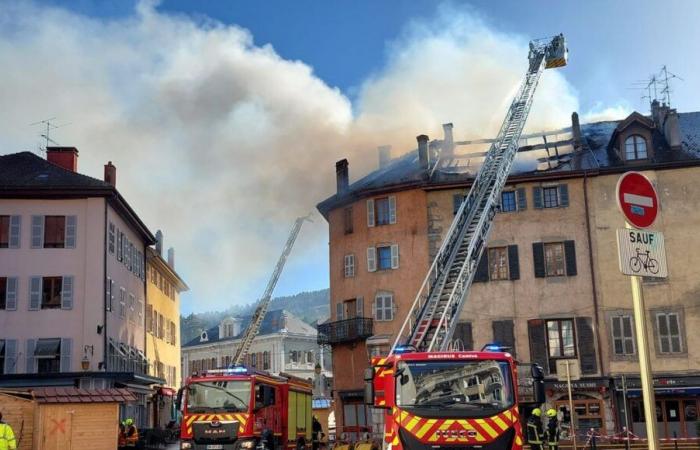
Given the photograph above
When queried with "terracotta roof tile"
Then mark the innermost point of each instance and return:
(74, 395)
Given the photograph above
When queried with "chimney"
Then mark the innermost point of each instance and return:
(423, 151)
(576, 130)
(341, 174)
(159, 243)
(672, 131)
(384, 155)
(111, 174)
(66, 157)
(171, 258)
(448, 140)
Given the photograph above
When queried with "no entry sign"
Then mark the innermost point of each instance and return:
(637, 199)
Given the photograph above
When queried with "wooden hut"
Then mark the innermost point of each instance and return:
(64, 418)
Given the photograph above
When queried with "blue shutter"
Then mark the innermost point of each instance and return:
(522, 199)
(37, 231)
(11, 294)
(10, 356)
(537, 197)
(71, 229)
(31, 343)
(15, 229)
(66, 347)
(67, 293)
(34, 293)
(563, 195)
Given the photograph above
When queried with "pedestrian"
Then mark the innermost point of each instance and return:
(317, 431)
(7, 436)
(553, 430)
(534, 429)
(121, 435)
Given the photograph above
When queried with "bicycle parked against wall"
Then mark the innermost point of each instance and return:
(642, 259)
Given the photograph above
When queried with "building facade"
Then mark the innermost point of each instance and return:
(548, 285)
(72, 279)
(163, 288)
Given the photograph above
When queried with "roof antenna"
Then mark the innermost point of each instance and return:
(45, 134)
(666, 75)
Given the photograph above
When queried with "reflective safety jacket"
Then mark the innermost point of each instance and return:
(132, 436)
(534, 430)
(7, 437)
(553, 432)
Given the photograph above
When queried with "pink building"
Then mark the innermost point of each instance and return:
(72, 279)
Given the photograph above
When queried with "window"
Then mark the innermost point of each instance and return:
(381, 211)
(122, 303)
(554, 259)
(47, 353)
(384, 306)
(3, 292)
(54, 231)
(349, 269)
(498, 263)
(51, 292)
(381, 206)
(457, 200)
(109, 295)
(132, 307)
(4, 231)
(112, 238)
(550, 197)
(384, 258)
(635, 147)
(149, 318)
(622, 337)
(120, 245)
(668, 327)
(347, 218)
(508, 203)
(2, 356)
(560, 341)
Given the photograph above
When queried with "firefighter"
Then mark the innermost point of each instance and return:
(121, 440)
(7, 436)
(534, 429)
(131, 433)
(553, 431)
(317, 430)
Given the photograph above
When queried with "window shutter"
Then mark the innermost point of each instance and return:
(537, 197)
(503, 334)
(392, 209)
(618, 341)
(563, 195)
(570, 256)
(10, 356)
(482, 270)
(111, 295)
(339, 311)
(11, 294)
(149, 314)
(37, 231)
(370, 212)
(522, 199)
(586, 345)
(34, 293)
(71, 225)
(463, 333)
(15, 229)
(66, 345)
(67, 293)
(538, 257)
(627, 334)
(31, 344)
(360, 307)
(395, 256)
(538, 344)
(513, 262)
(371, 259)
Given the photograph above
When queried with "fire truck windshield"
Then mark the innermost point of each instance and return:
(473, 388)
(217, 396)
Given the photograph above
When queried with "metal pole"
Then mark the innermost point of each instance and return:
(627, 420)
(572, 429)
(640, 326)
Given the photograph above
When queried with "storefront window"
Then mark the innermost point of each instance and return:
(675, 417)
(589, 414)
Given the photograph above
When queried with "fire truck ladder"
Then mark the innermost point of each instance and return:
(433, 316)
(264, 303)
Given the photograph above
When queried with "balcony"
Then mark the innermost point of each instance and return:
(345, 331)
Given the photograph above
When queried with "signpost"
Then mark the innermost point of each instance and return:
(569, 370)
(641, 253)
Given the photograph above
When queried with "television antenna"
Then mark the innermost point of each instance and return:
(45, 134)
(665, 76)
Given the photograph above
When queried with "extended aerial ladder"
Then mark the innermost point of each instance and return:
(433, 316)
(264, 303)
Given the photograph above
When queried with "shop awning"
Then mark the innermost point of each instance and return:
(167, 392)
(665, 391)
(47, 348)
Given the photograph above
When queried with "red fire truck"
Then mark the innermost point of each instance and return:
(242, 409)
(451, 399)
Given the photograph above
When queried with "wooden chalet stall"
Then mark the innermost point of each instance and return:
(64, 417)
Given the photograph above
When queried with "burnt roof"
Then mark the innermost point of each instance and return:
(26, 175)
(532, 162)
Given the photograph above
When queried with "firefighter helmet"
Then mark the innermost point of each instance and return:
(551, 412)
(537, 412)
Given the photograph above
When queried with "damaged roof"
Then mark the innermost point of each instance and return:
(552, 156)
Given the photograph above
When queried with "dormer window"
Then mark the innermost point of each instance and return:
(635, 148)
(203, 337)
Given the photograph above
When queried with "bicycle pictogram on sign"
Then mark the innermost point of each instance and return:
(643, 260)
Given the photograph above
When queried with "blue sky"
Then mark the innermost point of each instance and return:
(215, 112)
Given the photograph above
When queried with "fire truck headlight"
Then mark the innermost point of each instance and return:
(184, 445)
(248, 444)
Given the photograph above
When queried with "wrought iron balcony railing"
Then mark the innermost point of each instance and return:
(343, 331)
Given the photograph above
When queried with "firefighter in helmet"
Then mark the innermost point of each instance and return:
(534, 429)
(131, 433)
(7, 436)
(553, 431)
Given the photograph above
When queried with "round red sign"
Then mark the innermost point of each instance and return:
(637, 199)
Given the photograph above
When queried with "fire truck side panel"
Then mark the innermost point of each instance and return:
(299, 418)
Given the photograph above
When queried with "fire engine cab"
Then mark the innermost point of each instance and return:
(241, 409)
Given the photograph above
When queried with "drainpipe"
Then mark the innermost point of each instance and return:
(590, 261)
(104, 289)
